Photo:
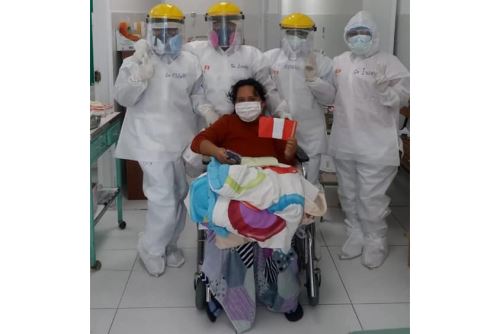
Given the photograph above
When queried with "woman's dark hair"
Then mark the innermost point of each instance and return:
(257, 86)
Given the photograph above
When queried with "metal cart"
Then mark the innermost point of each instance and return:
(101, 140)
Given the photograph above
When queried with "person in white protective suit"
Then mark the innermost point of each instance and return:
(304, 78)
(160, 85)
(371, 88)
(225, 61)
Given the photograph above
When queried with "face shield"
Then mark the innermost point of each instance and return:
(165, 36)
(225, 31)
(359, 40)
(298, 40)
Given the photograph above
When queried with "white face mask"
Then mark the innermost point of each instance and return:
(295, 42)
(159, 48)
(248, 111)
(360, 44)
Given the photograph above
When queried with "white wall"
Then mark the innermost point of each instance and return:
(384, 13)
(402, 49)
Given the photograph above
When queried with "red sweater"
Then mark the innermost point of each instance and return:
(231, 133)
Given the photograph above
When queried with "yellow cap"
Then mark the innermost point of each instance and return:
(224, 9)
(297, 21)
(166, 11)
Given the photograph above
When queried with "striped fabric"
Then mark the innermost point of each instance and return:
(246, 253)
(272, 270)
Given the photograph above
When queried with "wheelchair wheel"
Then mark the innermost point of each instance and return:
(200, 293)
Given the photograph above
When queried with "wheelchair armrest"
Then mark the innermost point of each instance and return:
(301, 155)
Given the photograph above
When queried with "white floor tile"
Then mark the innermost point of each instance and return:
(389, 283)
(188, 237)
(109, 236)
(167, 320)
(173, 289)
(399, 191)
(383, 316)
(334, 215)
(334, 232)
(117, 259)
(100, 320)
(139, 204)
(402, 214)
(396, 235)
(332, 198)
(321, 319)
(331, 319)
(331, 290)
(106, 288)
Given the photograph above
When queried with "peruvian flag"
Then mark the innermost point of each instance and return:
(279, 128)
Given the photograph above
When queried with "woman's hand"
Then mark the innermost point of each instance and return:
(221, 155)
(290, 148)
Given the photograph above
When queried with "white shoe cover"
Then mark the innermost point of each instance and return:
(375, 251)
(175, 257)
(155, 264)
(353, 246)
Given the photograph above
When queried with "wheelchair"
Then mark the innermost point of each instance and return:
(304, 243)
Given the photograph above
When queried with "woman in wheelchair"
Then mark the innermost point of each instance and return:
(248, 271)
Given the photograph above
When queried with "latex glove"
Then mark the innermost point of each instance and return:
(311, 68)
(208, 113)
(144, 71)
(282, 110)
(141, 50)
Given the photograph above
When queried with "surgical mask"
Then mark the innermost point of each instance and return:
(248, 111)
(159, 47)
(222, 37)
(360, 44)
(295, 42)
(175, 44)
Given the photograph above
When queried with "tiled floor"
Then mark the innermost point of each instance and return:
(125, 299)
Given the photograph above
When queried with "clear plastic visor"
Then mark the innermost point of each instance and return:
(358, 31)
(225, 27)
(163, 30)
(300, 33)
(298, 39)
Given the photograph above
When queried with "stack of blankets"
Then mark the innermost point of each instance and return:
(242, 203)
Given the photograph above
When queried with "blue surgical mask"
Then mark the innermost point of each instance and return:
(360, 44)
(175, 44)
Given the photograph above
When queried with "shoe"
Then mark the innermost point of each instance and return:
(375, 251)
(295, 315)
(155, 264)
(175, 257)
(353, 246)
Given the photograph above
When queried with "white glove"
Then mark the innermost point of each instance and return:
(141, 50)
(208, 112)
(144, 71)
(282, 110)
(311, 68)
(193, 162)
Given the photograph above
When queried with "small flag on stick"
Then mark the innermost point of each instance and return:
(279, 128)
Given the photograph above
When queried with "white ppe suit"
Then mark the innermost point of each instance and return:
(371, 88)
(305, 98)
(159, 124)
(222, 69)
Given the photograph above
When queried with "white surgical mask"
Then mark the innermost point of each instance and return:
(248, 111)
(295, 42)
(360, 44)
(159, 48)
